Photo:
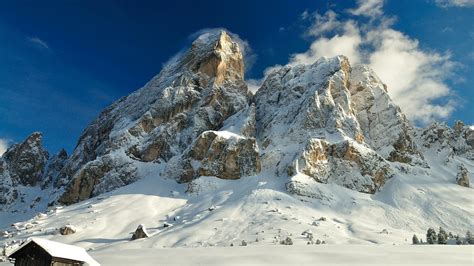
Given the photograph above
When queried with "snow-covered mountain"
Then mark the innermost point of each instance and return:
(196, 149)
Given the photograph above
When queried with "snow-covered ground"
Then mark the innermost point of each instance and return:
(259, 211)
(294, 255)
(211, 213)
(290, 255)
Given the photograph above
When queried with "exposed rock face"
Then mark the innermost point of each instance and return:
(26, 161)
(54, 167)
(99, 176)
(221, 154)
(440, 138)
(462, 177)
(385, 127)
(8, 192)
(345, 163)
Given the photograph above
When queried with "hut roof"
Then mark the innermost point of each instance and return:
(60, 250)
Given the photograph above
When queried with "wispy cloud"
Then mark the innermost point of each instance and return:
(4, 143)
(416, 78)
(368, 8)
(455, 3)
(38, 43)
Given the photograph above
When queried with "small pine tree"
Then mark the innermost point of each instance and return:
(415, 240)
(442, 237)
(469, 238)
(431, 236)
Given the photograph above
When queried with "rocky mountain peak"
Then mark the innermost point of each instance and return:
(215, 55)
(26, 160)
(195, 93)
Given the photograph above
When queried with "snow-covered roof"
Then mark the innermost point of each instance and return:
(60, 250)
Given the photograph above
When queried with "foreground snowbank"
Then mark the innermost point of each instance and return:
(294, 255)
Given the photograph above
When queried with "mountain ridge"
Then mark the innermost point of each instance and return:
(323, 132)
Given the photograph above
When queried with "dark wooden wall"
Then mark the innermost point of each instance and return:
(32, 255)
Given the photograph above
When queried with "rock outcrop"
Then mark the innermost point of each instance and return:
(221, 154)
(462, 177)
(140, 232)
(440, 138)
(99, 176)
(54, 167)
(385, 127)
(346, 163)
(67, 230)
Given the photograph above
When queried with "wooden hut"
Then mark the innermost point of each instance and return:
(43, 252)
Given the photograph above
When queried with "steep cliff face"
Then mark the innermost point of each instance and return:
(385, 127)
(196, 92)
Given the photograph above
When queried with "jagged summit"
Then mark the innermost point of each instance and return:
(213, 54)
(27, 160)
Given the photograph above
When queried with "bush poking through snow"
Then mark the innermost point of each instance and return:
(415, 240)
(243, 244)
(288, 241)
(140, 232)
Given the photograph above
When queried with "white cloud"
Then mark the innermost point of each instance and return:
(3, 146)
(323, 23)
(455, 3)
(347, 43)
(254, 84)
(416, 78)
(38, 42)
(368, 8)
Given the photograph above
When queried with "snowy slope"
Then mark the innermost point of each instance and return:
(257, 207)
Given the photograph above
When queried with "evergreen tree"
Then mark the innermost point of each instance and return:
(442, 237)
(415, 240)
(431, 236)
(469, 238)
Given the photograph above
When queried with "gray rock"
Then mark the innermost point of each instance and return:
(67, 230)
(140, 232)
(462, 177)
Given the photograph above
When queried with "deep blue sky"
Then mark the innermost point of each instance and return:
(62, 62)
